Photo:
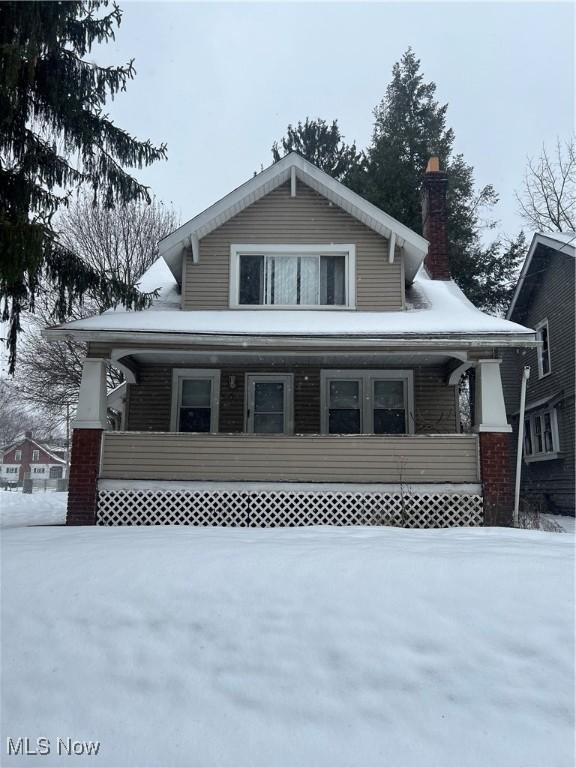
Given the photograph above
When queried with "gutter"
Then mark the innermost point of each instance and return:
(285, 341)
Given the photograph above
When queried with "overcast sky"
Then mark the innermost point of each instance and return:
(219, 82)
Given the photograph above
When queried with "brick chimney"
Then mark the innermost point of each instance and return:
(435, 220)
(28, 433)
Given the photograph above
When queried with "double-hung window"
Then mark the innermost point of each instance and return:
(541, 439)
(18, 456)
(35, 455)
(292, 276)
(195, 394)
(367, 402)
(543, 352)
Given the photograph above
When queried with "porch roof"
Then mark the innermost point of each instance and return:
(435, 310)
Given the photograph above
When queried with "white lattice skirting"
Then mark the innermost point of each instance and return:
(263, 509)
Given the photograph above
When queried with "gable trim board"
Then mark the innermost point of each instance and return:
(186, 238)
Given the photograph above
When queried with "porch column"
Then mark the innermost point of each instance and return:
(495, 444)
(88, 426)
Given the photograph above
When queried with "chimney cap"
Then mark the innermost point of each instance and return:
(433, 165)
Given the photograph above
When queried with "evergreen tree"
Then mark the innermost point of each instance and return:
(54, 136)
(323, 145)
(410, 127)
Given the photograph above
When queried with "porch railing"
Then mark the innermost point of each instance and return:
(409, 459)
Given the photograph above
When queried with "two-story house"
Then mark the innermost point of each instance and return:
(544, 300)
(29, 459)
(300, 366)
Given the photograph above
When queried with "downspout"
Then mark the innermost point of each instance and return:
(520, 447)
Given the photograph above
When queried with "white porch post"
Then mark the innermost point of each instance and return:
(489, 403)
(91, 410)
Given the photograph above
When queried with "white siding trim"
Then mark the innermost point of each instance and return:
(197, 485)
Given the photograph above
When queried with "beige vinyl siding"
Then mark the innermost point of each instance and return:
(435, 402)
(281, 219)
(302, 458)
(149, 402)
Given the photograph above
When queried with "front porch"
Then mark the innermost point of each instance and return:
(287, 440)
(276, 480)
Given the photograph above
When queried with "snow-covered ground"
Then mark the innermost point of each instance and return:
(564, 522)
(38, 508)
(178, 646)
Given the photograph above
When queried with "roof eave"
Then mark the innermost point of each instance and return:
(285, 340)
(539, 238)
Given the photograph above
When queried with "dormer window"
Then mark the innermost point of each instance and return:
(292, 276)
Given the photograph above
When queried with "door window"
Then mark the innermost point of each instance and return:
(269, 406)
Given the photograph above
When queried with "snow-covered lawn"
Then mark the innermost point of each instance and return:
(38, 508)
(564, 522)
(294, 647)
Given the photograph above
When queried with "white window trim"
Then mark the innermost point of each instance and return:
(543, 455)
(344, 249)
(543, 324)
(17, 455)
(367, 376)
(288, 380)
(36, 455)
(178, 374)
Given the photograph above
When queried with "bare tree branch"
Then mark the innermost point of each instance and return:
(121, 243)
(547, 201)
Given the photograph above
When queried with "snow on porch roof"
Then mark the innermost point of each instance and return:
(173, 246)
(434, 308)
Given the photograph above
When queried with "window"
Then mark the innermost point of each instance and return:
(11, 470)
(292, 276)
(18, 456)
(35, 455)
(269, 403)
(38, 470)
(195, 395)
(541, 436)
(367, 402)
(543, 352)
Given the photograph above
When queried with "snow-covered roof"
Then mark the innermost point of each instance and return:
(564, 242)
(158, 277)
(173, 246)
(435, 308)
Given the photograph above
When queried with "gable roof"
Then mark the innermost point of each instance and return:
(562, 242)
(292, 166)
(47, 450)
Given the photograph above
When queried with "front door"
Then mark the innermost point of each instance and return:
(269, 403)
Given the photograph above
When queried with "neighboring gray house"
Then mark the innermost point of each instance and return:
(544, 300)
